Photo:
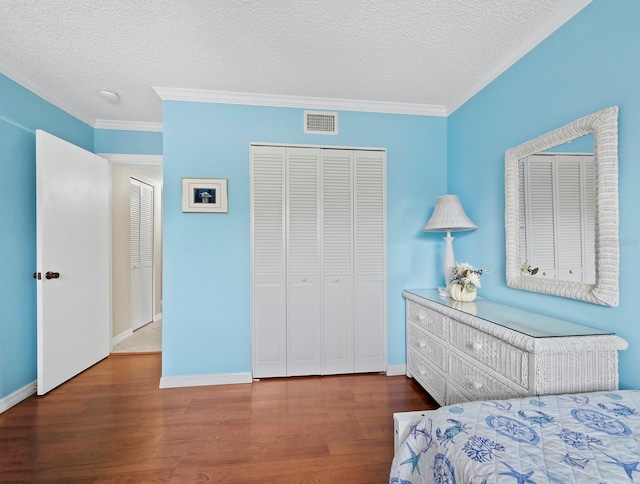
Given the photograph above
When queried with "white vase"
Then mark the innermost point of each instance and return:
(459, 292)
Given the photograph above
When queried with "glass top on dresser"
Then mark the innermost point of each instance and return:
(526, 322)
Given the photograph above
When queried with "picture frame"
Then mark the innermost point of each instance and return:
(205, 195)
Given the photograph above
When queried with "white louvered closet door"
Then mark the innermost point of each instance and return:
(304, 330)
(370, 262)
(141, 245)
(134, 250)
(318, 261)
(269, 288)
(337, 261)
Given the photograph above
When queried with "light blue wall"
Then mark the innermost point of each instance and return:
(206, 313)
(128, 142)
(21, 113)
(591, 63)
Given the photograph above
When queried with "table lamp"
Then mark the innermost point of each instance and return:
(448, 216)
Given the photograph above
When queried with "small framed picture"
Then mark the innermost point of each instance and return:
(204, 195)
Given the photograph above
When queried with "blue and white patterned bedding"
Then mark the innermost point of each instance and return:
(584, 438)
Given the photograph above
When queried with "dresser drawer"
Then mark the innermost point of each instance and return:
(427, 346)
(475, 382)
(508, 360)
(455, 396)
(428, 376)
(428, 319)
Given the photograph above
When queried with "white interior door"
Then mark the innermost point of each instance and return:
(73, 295)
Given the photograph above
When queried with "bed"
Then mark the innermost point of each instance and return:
(583, 438)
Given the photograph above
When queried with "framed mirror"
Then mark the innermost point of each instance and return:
(561, 211)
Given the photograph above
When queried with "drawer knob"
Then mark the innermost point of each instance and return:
(477, 385)
(422, 344)
(304, 279)
(476, 346)
(422, 315)
(422, 371)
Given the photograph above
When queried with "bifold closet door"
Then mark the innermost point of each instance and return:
(268, 246)
(304, 325)
(141, 251)
(318, 261)
(370, 299)
(337, 260)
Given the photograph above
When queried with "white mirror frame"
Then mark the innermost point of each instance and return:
(604, 126)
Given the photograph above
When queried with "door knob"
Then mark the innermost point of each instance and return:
(37, 275)
(52, 275)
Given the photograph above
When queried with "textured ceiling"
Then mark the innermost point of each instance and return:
(427, 52)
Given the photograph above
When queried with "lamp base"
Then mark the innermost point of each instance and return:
(449, 259)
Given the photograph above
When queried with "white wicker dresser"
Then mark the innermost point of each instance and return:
(483, 350)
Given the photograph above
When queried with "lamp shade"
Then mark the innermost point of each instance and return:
(448, 216)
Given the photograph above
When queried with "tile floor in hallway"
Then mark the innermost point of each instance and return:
(146, 339)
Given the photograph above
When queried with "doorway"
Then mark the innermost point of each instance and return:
(134, 331)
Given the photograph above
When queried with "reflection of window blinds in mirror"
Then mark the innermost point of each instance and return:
(559, 235)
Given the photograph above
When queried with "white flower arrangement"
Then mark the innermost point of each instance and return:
(465, 275)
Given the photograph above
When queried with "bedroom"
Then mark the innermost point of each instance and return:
(588, 64)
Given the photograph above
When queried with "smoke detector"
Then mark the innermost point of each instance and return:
(109, 95)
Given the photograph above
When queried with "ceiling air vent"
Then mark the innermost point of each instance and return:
(320, 122)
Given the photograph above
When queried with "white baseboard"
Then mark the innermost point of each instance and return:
(396, 370)
(204, 380)
(157, 317)
(121, 337)
(16, 397)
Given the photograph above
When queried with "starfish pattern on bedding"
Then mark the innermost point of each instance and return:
(522, 478)
(413, 460)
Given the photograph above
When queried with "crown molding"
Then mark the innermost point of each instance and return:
(137, 159)
(562, 16)
(128, 125)
(273, 100)
(38, 90)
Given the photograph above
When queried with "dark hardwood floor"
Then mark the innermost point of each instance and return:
(113, 424)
